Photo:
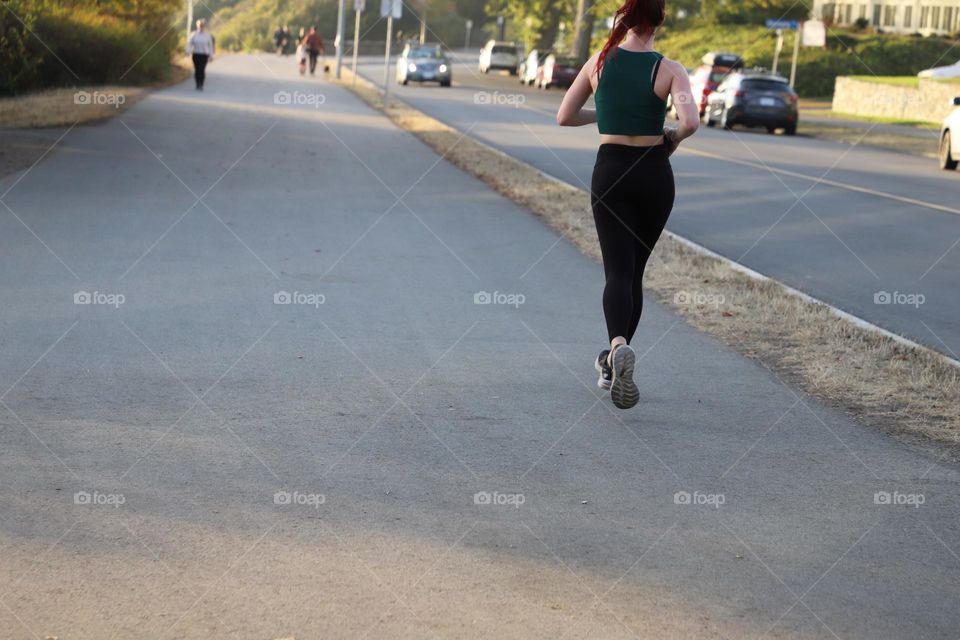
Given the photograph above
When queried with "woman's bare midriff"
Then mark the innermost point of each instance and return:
(633, 141)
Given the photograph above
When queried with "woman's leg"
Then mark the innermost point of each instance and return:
(650, 223)
(617, 248)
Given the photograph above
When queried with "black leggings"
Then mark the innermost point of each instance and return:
(200, 68)
(632, 196)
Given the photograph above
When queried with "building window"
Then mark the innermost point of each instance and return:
(863, 11)
(889, 16)
(848, 14)
(947, 18)
(935, 18)
(908, 17)
(876, 15)
(924, 17)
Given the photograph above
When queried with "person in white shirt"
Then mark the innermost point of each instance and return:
(200, 46)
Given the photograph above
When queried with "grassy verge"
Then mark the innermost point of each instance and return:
(898, 81)
(921, 124)
(909, 391)
(80, 105)
(926, 147)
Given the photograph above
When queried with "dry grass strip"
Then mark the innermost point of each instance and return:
(78, 105)
(903, 390)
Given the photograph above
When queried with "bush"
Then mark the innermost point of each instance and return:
(846, 53)
(18, 64)
(82, 47)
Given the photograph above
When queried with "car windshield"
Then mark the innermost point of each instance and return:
(431, 52)
(502, 48)
(758, 84)
(719, 75)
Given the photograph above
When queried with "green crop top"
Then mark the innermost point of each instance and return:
(626, 102)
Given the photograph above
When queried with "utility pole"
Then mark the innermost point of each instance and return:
(358, 7)
(189, 18)
(466, 41)
(341, 10)
(423, 24)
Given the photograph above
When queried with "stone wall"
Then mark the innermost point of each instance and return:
(930, 102)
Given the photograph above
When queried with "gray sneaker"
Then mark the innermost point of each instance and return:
(623, 391)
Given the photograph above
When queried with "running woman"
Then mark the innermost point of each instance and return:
(632, 190)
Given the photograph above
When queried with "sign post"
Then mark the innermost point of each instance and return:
(777, 50)
(338, 43)
(358, 7)
(389, 9)
(466, 43)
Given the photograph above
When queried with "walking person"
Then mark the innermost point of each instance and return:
(632, 190)
(313, 44)
(200, 46)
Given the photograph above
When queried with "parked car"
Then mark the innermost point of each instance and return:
(950, 139)
(558, 71)
(424, 63)
(530, 67)
(499, 55)
(754, 99)
(950, 71)
(708, 76)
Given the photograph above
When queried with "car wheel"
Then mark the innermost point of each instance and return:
(405, 82)
(947, 162)
(445, 83)
(791, 130)
(771, 129)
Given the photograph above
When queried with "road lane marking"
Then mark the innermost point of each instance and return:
(826, 181)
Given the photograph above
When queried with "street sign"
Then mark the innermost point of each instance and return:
(783, 24)
(814, 34)
(359, 6)
(391, 8)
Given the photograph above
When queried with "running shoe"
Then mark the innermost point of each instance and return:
(623, 391)
(604, 369)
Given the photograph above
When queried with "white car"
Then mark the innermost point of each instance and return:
(499, 55)
(951, 71)
(950, 139)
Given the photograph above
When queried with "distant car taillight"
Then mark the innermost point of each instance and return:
(740, 93)
(793, 97)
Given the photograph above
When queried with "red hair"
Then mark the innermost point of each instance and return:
(640, 15)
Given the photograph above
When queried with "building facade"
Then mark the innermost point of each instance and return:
(896, 16)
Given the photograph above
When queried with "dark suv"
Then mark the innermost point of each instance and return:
(754, 99)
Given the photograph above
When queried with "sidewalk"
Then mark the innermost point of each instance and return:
(349, 392)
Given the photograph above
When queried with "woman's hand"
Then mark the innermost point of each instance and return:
(671, 137)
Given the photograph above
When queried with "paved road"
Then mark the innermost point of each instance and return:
(833, 232)
(259, 470)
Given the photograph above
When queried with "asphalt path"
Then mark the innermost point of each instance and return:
(304, 418)
(844, 223)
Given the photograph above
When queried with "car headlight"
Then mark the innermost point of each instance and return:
(411, 67)
(443, 68)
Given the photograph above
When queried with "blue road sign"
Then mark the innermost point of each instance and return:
(783, 24)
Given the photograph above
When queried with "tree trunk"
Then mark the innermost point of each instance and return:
(550, 27)
(583, 29)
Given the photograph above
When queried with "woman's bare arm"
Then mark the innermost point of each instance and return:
(683, 102)
(572, 113)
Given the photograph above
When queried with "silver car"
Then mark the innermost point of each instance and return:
(950, 139)
(424, 63)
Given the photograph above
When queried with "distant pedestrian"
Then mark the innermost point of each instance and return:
(313, 44)
(632, 191)
(200, 46)
(280, 39)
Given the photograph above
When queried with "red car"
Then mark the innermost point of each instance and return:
(557, 71)
(708, 76)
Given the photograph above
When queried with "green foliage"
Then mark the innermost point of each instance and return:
(846, 53)
(85, 42)
(18, 64)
